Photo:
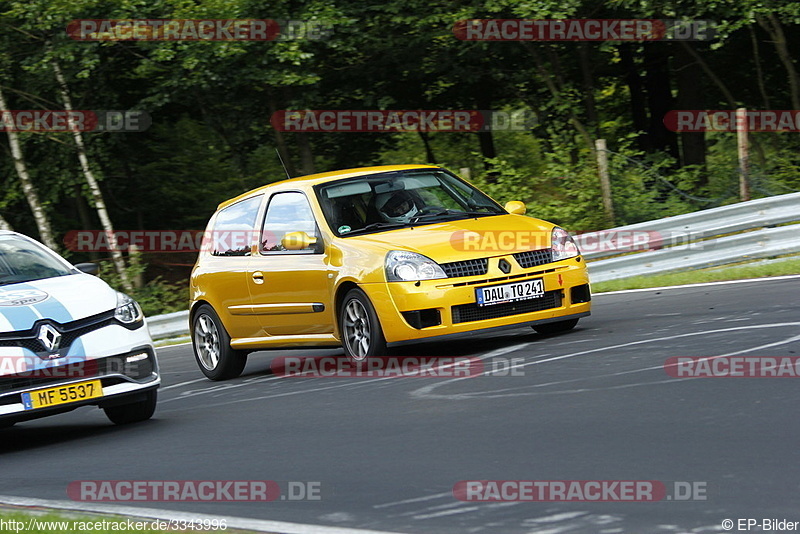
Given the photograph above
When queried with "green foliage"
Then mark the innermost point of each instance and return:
(211, 104)
(155, 296)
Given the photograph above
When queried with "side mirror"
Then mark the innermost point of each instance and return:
(515, 207)
(297, 241)
(88, 268)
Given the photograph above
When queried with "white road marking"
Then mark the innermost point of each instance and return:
(183, 384)
(426, 391)
(418, 499)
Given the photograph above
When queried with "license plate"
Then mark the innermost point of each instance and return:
(45, 398)
(529, 289)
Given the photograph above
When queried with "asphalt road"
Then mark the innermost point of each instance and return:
(592, 404)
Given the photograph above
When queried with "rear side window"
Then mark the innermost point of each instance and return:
(234, 228)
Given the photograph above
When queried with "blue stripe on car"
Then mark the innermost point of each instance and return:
(20, 317)
(50, 308)
(76, 352)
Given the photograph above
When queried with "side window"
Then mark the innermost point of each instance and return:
(289, 213)
(234, 228)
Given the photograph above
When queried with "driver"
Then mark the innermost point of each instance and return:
(398, 206)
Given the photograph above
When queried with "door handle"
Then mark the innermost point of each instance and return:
(258, 277)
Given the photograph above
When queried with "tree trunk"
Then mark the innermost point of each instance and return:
(760, 155)
(430, 157)
(306, 155)
(638, 108)
(588, 87)
(775, 30)
(42, 223)
(4, 224)
(94, 187)
(486, 139)
(759, 71)
(280, 141)
(659, 98)
(547, 78)
(690, 96)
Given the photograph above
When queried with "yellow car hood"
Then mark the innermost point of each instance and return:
(464, 239)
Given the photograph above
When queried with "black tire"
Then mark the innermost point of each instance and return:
(133, 412)
(212, 346)
(362, 336)
(555, 328)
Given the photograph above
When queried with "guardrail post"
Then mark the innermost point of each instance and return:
(744, 156)
(605, 183)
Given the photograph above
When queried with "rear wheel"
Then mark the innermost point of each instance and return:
(555, 328)
(362, 336)
(134, 411)
(212, 346)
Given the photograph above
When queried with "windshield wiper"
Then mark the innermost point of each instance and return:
(376, 226)
(449, 214)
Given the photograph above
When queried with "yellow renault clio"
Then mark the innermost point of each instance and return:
(370, 257)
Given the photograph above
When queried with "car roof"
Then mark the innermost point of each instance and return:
(319, 178)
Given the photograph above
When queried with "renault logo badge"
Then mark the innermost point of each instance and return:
(49, 337)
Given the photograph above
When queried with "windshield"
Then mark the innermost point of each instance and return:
(22, 261)
(394, 200)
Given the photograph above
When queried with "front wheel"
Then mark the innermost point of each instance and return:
(555, 328)
(135, 411)
(362, 336)
(212, 346)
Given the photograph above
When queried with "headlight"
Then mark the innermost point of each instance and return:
(128, 311)
(563, 245)
(409, 266)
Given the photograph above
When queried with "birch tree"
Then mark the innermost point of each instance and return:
(28, 189)
(94, 187)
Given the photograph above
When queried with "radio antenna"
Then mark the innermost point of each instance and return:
(283, 164)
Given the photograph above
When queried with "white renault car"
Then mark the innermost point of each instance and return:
(68, 340)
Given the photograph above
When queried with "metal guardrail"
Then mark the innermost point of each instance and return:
(737, 248)
(169, 325)
(763, 212)
(682, 242)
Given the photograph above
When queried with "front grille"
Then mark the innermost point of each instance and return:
(457, 269)
(69, 333)
(534, 258)
(465, 313)
(77, 370)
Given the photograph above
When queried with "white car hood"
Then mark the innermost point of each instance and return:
(61, 299)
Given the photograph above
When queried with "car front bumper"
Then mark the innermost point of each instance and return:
(127, 369)
(432, 308)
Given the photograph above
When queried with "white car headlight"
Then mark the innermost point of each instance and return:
(563, 245)
(128, 311)
(402, 266)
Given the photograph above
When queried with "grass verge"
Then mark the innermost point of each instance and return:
(715, 274)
